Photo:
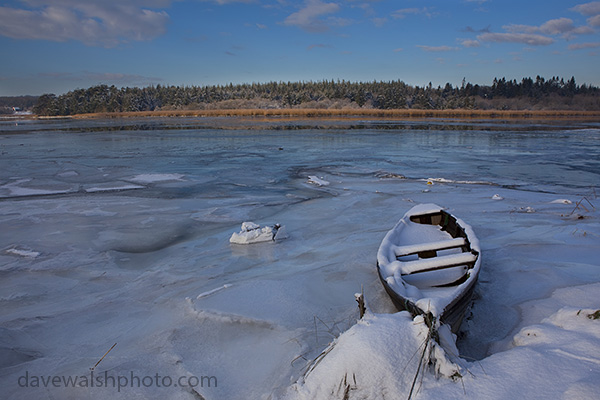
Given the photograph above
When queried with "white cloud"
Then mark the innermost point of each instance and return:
(319, 46)
(105, 23)
(399, 14)
(402, 13)
(515, 28)
(120, 78)
(526, 38)
(109, 78)
(579, 46)
(594, 21)
(470, 43)
(221, 2)
(71, 3)
(337, 21)
(435, 49)
(379, 22)
(473, 30)
(309, 18)
(560, 26)
(592, 8)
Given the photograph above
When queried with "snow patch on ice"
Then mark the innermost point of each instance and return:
(315, 180)
(68, 174)
(153, 178)
(228, 318)
(527, 210)
(210, 292)
(22, 252)
(115, 186)
(430, 181)
(13, 296)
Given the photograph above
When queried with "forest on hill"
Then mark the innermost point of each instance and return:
(528, 94)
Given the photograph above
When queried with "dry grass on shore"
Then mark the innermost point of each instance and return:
(296, 113)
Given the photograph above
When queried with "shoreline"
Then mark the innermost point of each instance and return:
(297, 113)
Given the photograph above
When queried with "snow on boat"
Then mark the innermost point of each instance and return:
(429, 264)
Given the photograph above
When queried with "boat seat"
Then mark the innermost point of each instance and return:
(430, 264)
(437, 278)
(406, 250)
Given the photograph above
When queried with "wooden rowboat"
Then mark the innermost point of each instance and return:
(429, 264)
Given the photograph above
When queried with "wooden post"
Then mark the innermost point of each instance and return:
(360, 299)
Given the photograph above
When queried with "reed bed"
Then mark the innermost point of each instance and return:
(294, 113)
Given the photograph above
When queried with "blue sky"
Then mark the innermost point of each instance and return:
(53, 46)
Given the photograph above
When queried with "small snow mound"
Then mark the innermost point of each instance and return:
(583, 389)
(251, 233)
(527, 210)
(568, 332)
(376, 358)
(561, 201)
(22, 253)
(249, 226)
(317, 181)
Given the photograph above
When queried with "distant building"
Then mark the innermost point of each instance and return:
(19, 111)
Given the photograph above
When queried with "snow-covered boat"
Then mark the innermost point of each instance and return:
(429, 264)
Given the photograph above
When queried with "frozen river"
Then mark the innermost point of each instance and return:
(117, 232)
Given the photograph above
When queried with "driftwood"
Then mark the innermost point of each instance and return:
(113, 346)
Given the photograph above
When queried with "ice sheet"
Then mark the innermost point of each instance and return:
(147, 264)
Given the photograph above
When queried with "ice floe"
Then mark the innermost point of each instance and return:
(253, 233)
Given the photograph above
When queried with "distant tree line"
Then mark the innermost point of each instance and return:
(555, 93)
